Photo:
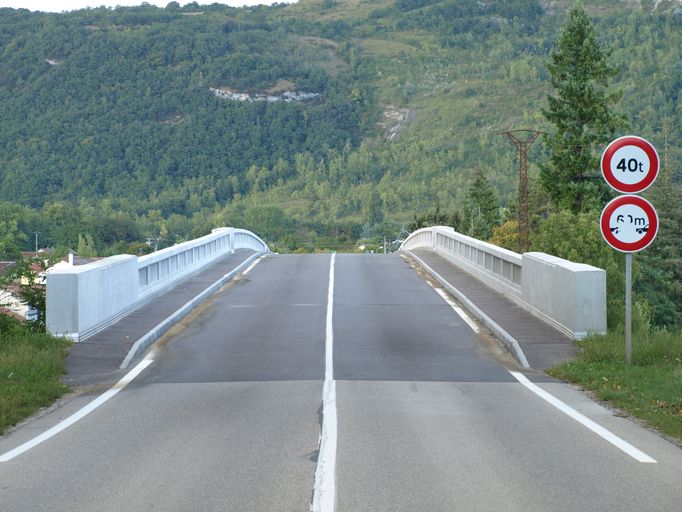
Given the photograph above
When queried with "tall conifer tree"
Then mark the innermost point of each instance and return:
(481, 209)
(581, 113)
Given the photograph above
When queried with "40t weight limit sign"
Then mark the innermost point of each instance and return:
(630, 164)
(629, 223)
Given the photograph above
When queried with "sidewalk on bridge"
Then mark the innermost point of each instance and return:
(543, 345)
(97, 360)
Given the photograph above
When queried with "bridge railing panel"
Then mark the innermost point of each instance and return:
(167, 265)
(570, 296)
(85, 299)
(497, 267)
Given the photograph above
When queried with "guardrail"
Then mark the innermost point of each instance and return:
(83, 300)
(569, 296)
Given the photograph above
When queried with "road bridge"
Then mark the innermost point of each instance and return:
(347, 382)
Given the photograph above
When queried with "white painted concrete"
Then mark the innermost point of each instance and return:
(569, 296)
(567, 293)
(83, 300)
(80, 297)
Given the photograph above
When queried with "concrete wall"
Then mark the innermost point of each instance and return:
(80, 297)
(569, 296)
(83, 300)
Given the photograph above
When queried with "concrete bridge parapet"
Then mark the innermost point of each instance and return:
(569, 296)
(83, 300)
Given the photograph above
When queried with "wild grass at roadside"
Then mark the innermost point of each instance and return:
(31, 364)
(650, 388)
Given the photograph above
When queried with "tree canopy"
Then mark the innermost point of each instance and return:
(581, 114)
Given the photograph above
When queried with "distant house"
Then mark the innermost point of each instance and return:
(4, 265)
(70, 260)
(9, 303)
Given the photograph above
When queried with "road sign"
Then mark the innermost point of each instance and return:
(31, 314)
(630, 164)
(629, 223)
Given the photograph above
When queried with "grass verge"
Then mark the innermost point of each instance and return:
(649, 389)
(31, 364)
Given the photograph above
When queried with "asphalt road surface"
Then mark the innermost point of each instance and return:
(226, 413)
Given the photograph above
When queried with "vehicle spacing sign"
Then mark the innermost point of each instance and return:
(629, 223)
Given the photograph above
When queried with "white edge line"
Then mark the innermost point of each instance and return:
(78, 415)
(442, 294)
(156, 332)
(329, 336)
(252, 265)
(605, 434)
(473, 325)
(507, 339)
(324, 495)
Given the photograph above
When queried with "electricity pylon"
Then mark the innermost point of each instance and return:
(523, 139)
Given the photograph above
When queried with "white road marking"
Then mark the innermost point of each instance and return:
(329, 338)
(78, 415)
(324, 495)
(474, 326)
(605, 434)
(252, 265)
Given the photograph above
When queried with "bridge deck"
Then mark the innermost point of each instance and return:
(543, 345)
(97, 359)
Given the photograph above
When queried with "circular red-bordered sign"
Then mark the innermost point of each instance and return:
(629, 223)
(630, 164)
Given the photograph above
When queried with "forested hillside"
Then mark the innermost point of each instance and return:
(315, 124)
(122, 104)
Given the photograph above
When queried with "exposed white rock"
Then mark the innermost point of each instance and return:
(288, 96)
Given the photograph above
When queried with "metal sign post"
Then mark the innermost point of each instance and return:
(628, 308)
(629, 223)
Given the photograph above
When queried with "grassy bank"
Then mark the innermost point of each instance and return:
(650, 389)
(31, 364)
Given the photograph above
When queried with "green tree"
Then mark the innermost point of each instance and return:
(481, 208)
(435, 218)
(661, 262)
(506, 235)
(581, 114)
(9, 239)
(28, 275)
(86, 246)
(373, 208)
(65, 222)
(576, 237)
(269, 222)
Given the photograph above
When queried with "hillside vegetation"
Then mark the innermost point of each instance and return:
(120, 125)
